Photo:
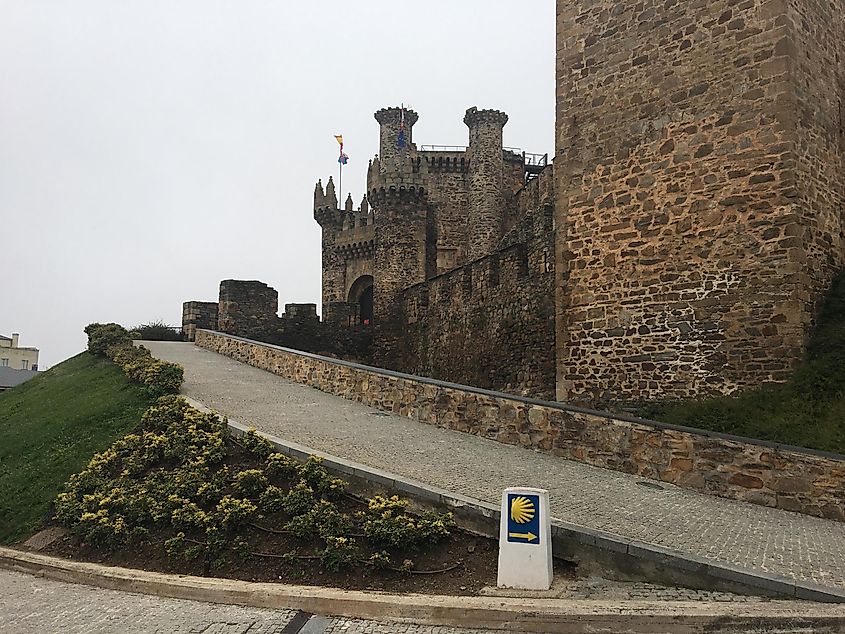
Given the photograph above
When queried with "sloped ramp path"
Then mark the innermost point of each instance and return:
(738, 535)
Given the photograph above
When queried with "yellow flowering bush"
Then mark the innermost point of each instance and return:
(178, 477)
(386, 522)
(113, 341)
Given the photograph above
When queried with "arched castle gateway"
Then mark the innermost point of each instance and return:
(679, 246)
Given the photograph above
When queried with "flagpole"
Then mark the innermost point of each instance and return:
(340, 183)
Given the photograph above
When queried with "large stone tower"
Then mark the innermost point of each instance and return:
(700, 181)
(486, 180)
(401, 255)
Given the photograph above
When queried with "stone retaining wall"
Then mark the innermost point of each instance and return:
(755, 471)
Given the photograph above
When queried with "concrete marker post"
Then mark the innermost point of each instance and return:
(525, 540)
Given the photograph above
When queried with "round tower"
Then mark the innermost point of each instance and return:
(486, 179)
(395, 137)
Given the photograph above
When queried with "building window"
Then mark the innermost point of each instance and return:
(4, 363)
(25, 364)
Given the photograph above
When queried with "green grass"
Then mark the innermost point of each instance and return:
(807, 411)
(50, 427)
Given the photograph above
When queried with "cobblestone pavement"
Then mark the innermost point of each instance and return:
(31, 605)
(720, 530)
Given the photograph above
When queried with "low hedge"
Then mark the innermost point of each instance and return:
(114, 342)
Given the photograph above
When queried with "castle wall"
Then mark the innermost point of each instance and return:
(758, 472)
(198, 315)
(490, 322)
(247, 309)
(447, 182)
(817, 50)
(678, 248)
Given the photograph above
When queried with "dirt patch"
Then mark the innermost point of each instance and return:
(476, 558)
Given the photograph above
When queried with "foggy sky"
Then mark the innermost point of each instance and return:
(150, 149)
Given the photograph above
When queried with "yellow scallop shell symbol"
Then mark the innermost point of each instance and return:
(522, 510)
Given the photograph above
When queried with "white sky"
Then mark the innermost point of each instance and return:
(150, 149)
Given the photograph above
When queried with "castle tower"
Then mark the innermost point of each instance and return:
(392, 157)
(330, 219)
(486, 173)
(401, 259)
(700, 171)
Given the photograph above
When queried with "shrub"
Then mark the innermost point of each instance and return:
(255, 444)
(299, 499)
(322, 519)
(251, 482)
(386, 522)
(163, 377)
(280, 466)
(230, 512)
(315, 475)
(103, 336)
(156, 331)
(113, 341)
(272, 500)
(167, 474)
(340, 553)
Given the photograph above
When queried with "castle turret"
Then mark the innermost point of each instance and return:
(331, 220)
(331, 197)
(486, 173)
(395, 138)
(319, 196)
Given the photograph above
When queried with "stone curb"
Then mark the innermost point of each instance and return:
(523, 615)
(759, 581)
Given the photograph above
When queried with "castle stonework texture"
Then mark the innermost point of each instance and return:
(699, 179)
(455, 247)
(679, 245)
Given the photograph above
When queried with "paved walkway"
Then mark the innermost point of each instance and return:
(724, 531)
(31, 604)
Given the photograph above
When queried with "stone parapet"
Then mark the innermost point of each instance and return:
(759, 472)
(198, 315)
(248, 308)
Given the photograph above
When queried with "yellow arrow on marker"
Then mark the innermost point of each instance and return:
(529, 536)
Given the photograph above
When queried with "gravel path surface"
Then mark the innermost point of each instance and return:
(721, 530)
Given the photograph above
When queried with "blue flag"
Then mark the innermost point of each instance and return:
(400, 142)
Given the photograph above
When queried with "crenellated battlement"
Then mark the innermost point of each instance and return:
(329, 216)
(398, 176)
(393, 116)
(401, 194)
(475, 117)
(438, 161)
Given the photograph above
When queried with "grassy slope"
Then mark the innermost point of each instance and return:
(50, 427)
(807, 411)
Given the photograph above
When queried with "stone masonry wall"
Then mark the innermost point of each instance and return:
(679, 234)
(490, 323)
(757, 472)
(247, 308)
(817, 52)
(198, 315)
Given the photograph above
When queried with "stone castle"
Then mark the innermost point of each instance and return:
(678, 245)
